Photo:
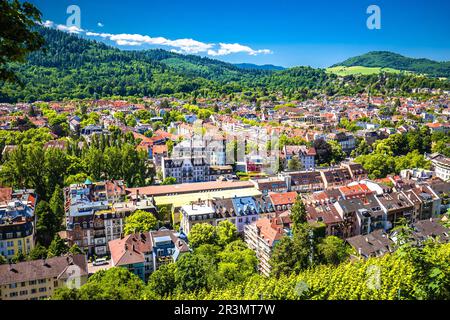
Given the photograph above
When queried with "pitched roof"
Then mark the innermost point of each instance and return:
(375, 243)
(41, 269)
(130, 249)
(283, 198)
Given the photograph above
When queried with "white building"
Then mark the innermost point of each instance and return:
(186, 169)
(441, 165)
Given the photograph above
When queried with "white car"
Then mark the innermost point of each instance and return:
(100, 262)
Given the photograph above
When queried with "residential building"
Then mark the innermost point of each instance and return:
(144, 253)
(38, 279)
(336, 177)
(441, 166)
(374, 244)
(283, 201)
(306, 155)
(262, 235)
(186, 170)
(17, 222)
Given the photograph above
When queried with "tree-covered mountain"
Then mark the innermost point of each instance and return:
(385, 59)
(252, 66)
(72, 67)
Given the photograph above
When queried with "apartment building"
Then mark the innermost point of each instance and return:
(306, 155)
(186, 169)
(143, 253)
(262, 235)
(17, 221)
(38, 279)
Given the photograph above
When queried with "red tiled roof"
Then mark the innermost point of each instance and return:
(283, 198)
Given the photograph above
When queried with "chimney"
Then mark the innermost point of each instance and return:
(137, 194)
(359, 251)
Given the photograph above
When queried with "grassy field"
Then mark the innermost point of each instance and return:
(345, 71)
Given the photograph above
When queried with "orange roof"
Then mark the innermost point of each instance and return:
(356, 189)
(160, 149)
(283, 198)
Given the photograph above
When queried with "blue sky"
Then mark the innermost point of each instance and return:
(282, 32)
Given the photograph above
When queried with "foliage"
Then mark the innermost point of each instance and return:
(226, 233)
(17, 33)
(298, 213)
(140, 221)
(113, 284)
(202, 233)
(332, 250)
(57, 247)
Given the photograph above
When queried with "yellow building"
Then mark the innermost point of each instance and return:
(16, 236)
(38, 279)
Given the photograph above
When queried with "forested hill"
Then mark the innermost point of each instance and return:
(72, 67)
(385, 59)
(258, 67)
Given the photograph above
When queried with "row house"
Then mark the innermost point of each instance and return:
(240, 211)
(328, 215)
(304, 181)
(336, 177)
(271, 184)
(283, 201)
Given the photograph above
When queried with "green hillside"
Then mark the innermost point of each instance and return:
(355, 70)
(72, 67)
(385, 59)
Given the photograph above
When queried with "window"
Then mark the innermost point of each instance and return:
(13, 285)
(33, 291)
(41, 281)
(32, 282)
(24, 292)
(13, 294)
(43, 289)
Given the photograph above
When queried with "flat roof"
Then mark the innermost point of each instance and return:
(177, 189)
(186, 199)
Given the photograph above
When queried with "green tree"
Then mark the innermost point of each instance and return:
(3, 260)
(17, 35)
(57, 247)
(18, 257)
(298, 213)
(192, 272)
(47, 223)
(57, 205)
(237, 262)
(294, 164)
(75, 249)
(38, 252)
(332, 250)
(169, 181)
(202, 233)
(140, 221)
(162, 281)
(112, 284)
(226, 233)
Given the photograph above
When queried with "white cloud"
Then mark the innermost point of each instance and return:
(184, 46)
(230, 48)
(101, 25)
(71, 29)
(48, 24)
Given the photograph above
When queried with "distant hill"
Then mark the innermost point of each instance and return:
(385, 59)
(252, 66)
(73, 67)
